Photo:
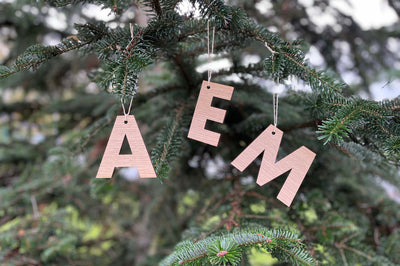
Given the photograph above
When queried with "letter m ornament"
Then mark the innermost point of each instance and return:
(298, 162)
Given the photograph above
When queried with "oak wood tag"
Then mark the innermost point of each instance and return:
(139, 157)
(298, 162)
(204, 111)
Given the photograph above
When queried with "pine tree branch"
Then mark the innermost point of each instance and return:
(256, 35)
(169, 142)
(293, 255)
(157, 7)
(35, 55)
(238, 242)
(167, 145)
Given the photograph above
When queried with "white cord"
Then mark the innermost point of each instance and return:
(275, 102)
(208, 50)
(123, 107)
(130, 103)
(122, 98)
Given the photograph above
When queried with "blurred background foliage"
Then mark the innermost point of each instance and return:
(55, 122)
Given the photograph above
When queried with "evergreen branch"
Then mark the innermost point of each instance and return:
(61, 3)
(237, 21)
(254, 69)
(114, 5)
(300, 64)
(37, 54)
(356, 112)
(122, 73)
(294, 255)
(227, 247)
(161, 8)
(310, 71)
(335, 127)
(168, 144)
(157, 7)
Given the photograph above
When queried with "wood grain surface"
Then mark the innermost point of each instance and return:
(204, 111)
(298, 162)
(139, 157)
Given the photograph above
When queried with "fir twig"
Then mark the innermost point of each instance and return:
(215, 248)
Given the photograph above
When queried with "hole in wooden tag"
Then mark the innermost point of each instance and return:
(126, 122)
(125, 147)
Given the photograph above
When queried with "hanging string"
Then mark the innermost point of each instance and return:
(122, 98)
(129, 108)
(275, 104)
(275, 96)
(208, 50)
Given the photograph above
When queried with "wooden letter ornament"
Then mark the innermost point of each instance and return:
(112, 157)
(298, 162)
(204, 111)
